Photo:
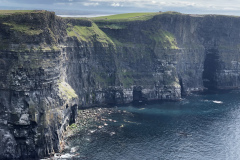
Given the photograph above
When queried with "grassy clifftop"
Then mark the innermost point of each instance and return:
(9, 12)
(24, 27)
(126, 17)
(29, 30)
(88, 33)
(45, 29)
(137, 29)
(6, 12)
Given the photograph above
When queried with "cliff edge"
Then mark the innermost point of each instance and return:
(50, 66)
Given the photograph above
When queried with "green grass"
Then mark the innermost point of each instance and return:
(88, 34)
(127, 17)
(73, 126)
(171, 12)
(67, 90)
(6, 12)
(113, 26)
(23, 28)
(163, 38)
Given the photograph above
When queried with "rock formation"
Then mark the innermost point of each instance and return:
(50, 66)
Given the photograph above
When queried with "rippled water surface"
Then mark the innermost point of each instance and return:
(201, 127)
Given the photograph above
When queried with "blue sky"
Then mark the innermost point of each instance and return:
(230, 7)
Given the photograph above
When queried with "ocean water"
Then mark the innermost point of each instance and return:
(200, 127)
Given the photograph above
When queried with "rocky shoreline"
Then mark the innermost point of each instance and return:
(88, 122)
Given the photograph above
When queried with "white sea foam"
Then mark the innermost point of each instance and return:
(219, 102)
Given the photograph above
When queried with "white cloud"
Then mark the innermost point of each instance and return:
(174, 3)
(90, 4)
(64, 4)
(231, 9)
(116, 5)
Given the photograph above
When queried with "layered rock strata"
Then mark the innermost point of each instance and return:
(50, 66)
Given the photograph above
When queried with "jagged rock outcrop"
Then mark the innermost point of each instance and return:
(49, 66)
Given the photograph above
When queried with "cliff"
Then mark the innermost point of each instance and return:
(50, 66)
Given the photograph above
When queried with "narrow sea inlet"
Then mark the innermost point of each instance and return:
(200, 127)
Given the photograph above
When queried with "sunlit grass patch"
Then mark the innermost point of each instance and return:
(127, 17)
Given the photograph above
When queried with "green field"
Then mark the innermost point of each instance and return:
(23, 28)
(6, 12)
(127, 17)
(88, 34)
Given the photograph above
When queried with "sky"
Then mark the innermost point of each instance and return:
(228, 7)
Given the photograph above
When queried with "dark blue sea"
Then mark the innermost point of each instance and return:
(200, 127)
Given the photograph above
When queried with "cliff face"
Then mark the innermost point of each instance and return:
(36, 102)
(209, 49)
(49, 66)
